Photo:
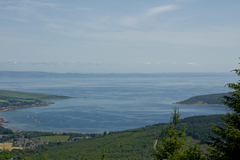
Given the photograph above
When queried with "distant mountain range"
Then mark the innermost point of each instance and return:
(37, 74)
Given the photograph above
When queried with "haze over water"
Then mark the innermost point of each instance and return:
(110, 102)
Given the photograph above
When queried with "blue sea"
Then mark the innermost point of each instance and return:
(110, 102)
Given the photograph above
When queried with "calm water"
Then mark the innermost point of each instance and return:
(110, 102)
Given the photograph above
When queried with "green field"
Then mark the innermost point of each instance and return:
(1, 100)
(54, 138)
(29, 95)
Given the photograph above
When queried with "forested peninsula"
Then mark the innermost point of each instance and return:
(10, 100)
(209, 99)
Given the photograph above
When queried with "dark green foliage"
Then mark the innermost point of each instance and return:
(173, 142)
(5, 155)
(227, 144)
(193, 153)
(131, 144)
(103, 154)
(210, 99)
(83, 157)
(5, 130)
(199, 127)
(44, 156)
(24, 156)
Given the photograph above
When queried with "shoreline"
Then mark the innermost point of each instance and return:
(11, 109)
(16, 108)
(1, 121)
(200, 104)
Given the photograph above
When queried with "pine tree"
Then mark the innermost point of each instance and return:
(103, 154)
(227, 145)
(173, 143)
(5, 154)
(24, 156)
(83, 156)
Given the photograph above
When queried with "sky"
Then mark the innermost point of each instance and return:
(110, 36)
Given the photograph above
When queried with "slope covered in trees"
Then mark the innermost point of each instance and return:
(210, 99)
(226, 145)
(129, 144)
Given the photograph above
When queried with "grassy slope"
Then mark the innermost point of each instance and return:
(17, 94)
(53, 138)
(131, 144)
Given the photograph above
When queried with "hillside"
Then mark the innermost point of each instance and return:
(130, 144)
(210, 99)
(10, 100)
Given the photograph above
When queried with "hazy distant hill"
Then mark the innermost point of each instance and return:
(210, 99)
(35, 74)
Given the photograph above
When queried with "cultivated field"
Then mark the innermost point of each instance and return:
(54, 138)
(8, 146)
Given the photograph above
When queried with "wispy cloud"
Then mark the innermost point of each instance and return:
(161, 9)
(20, 20)
(133, 21)
(192, 63)
(52, 25)
(147, 63)
(9, 63)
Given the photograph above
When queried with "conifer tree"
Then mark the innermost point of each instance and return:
(173, 143)
(83, 156)
(227, 145)
(44, 156)
(103, 154)
(24, 156)
(5, 154)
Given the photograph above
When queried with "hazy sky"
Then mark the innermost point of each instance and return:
(145, 36)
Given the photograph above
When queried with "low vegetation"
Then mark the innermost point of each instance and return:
(54, 138)
(8, 146)
(15, 100)
(129, 144)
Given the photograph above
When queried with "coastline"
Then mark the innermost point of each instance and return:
(10, 109)
(200, 104)
(1, 121)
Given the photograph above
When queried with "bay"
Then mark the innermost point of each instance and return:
(110, 102)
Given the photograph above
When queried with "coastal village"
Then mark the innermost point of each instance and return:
(35, 142)
(10, 100)
(32, 143)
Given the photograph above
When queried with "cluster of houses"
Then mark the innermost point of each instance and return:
(35, 142)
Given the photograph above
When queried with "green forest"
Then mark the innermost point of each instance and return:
(210, 99)
(129, 144)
